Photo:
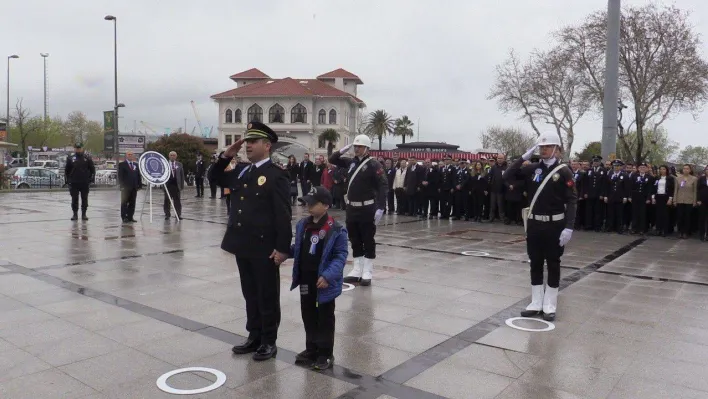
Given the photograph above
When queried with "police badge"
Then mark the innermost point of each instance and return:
(556, 176)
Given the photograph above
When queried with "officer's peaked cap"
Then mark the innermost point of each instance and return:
(257, 130)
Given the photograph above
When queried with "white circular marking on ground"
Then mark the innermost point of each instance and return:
(549, 326)
(347, 287)
(475, 253)
(162, 381)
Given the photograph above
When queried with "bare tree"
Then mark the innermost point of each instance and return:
(511, 141)
(544, 89)
(661, 69)
(22, 124)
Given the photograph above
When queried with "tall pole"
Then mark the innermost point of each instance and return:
(115, 83)
(609, 103)
(7, 112)
(44, 58)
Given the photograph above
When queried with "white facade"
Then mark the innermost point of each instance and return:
(295, 137)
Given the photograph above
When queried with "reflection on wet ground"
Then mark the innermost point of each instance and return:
(100, 309)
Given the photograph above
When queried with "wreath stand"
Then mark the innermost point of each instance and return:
(149, 196)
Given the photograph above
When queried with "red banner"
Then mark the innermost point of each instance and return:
(421, 155)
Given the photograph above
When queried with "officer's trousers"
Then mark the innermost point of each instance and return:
(639, 214)
(445, 203)
(260, 284)
(318, 318)
(594, 213)
(542, 246)
(199, 182)
(75, 190)
(460, 203)
(391, 200)
(361, 228)
(615, 217)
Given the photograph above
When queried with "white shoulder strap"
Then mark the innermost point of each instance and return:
(543, 184)
(356, 172)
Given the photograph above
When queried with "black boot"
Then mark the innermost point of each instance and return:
(83, 215)
(75, 217)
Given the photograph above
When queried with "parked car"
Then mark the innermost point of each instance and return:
(32, 177)
(16, 163)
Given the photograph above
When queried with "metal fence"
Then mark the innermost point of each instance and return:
(49, 182)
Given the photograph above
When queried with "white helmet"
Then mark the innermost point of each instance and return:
(363, 140)
(548, 139)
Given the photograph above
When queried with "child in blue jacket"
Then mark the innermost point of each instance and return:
(319, 253)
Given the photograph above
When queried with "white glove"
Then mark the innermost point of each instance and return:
(378, 216)
(527, 155)
(565, 237)
(345, 149)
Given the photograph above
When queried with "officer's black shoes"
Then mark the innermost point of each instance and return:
(265, 352)
(167, 217)
(549, 316)
(352, 279)
(250, 346)
(75, 217)
(323, 363)
(83, 216)
(132, 221)
(308, 357)
(365, 283)
(530, 313)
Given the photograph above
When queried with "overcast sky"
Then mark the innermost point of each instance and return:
(431, 61)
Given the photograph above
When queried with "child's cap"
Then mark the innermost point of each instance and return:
(317, 194)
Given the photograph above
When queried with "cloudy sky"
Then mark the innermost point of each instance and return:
(431, 61)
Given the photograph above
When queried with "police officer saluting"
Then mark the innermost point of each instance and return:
(366, 201)
(258, 233)
(550, 221)
(79, 173)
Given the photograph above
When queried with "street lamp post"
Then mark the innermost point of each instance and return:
(44, 57)
(7, 113)
(115, 81)
(611, 90)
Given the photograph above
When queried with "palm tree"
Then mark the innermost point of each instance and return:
(379, 124)
(332, 137)
(403, 128)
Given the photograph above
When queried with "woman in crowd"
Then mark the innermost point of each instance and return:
(662, 199)
(685, 192)
(399, 188)
(293, 172)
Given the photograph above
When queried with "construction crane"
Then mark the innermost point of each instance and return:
(199, 120)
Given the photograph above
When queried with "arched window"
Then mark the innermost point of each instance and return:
(322, 117)
(276, 114)
(298, 114)
(332, 117)
(255, 113)
(237, 116)
(228, 118)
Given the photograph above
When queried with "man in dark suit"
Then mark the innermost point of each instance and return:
(199, 175)
(411, 186)
(130, 182)
(174, 187)
(307, 169)
(258, 234)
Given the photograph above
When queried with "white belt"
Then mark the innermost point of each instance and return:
(364, 203)
(547, 218)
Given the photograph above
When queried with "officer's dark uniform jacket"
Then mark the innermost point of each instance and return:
(369, 184)
(447, 178)
(594, 182)
(579, 178)
(79, 169)
(642, 187)
(260, 209)
(558, 196)
(461, 178)
(617, 187)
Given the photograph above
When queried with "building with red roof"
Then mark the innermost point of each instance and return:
(296, 109)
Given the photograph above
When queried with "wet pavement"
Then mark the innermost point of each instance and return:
(99, 309)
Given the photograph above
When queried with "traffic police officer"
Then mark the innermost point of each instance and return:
(366, 201)
(642, 187)
(550, 222)
(79, 173)
(617, 194)
(258, 233)
(593, 192)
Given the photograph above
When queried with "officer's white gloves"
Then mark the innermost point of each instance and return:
(528, 154)
(345, 149)
(565, 236)
(378, 216)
